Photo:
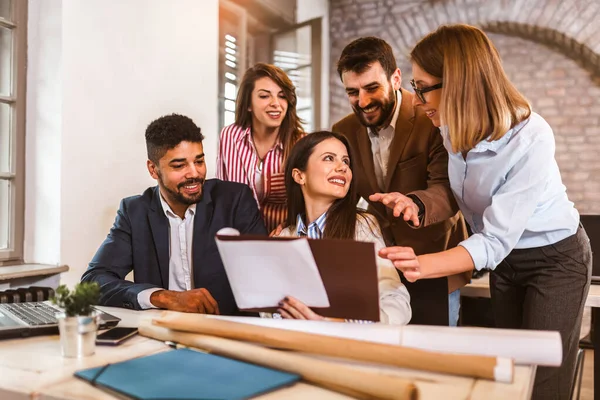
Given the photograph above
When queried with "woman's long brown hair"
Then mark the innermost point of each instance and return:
(340, 222)
(291, 129)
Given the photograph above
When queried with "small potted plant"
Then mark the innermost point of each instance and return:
(78, 322)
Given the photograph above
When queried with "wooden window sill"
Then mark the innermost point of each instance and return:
(27, 270)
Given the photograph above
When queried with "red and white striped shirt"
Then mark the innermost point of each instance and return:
(237, 161)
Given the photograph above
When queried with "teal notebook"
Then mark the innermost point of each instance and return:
(186, 374)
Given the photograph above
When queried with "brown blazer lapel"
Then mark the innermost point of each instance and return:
(404, 127)
(366, 157)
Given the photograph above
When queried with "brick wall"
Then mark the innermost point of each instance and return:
(550, 50)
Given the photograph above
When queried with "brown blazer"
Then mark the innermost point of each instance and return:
(418, 165)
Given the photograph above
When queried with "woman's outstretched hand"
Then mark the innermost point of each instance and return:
(276, 231)
(404, 259)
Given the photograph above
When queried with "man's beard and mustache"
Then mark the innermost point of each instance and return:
(386, 109)
(182, 197)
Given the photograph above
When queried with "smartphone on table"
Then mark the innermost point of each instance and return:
(115, 336)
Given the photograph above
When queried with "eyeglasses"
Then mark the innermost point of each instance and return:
(420, 92)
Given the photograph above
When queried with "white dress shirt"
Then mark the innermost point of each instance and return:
(181, 232)
(511, 193)
(381, 142)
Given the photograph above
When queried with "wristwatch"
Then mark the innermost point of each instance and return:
(420, 205)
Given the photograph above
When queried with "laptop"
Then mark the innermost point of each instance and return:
(37, 318)
(591, 223)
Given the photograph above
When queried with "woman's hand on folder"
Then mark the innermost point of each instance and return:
(276, 231)
(292, 308)
(192, 301)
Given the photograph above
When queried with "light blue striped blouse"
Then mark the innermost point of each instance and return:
(315, 229)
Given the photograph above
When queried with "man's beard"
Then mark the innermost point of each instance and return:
(386, 109)
(179, 196)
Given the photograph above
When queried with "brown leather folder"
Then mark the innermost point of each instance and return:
(348, 271)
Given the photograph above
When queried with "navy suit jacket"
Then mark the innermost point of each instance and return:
(139, 241)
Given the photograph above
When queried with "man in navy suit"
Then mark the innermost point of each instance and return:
(167, 235)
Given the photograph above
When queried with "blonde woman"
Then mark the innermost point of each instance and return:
(507, 183)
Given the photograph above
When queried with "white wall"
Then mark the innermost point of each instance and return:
(310, 9)
(124, 63)
(43, 135)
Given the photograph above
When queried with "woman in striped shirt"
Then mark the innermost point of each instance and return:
(322, 204)
(253, 150)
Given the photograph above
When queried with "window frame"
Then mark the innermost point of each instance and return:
(241, 37)
(315, 64)
(16, 175)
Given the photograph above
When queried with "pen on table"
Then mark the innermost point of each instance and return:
(177, 346)
(352, 321)
(174, 345)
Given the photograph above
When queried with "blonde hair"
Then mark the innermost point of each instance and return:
(478, 101)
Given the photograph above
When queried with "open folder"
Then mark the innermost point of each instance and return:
(336, 278)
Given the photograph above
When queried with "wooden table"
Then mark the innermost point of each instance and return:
(481, 288)
(33, 368)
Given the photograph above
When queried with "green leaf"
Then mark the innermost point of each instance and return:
(79, 301)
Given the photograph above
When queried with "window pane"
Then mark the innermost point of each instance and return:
(302, 79)
(306, 115)
(6, 7)
(230, 105)
(293, 53)
(230, 91)
(4, 213)
(293, 49)
(229, 118)
(5, 61)
(5, 144)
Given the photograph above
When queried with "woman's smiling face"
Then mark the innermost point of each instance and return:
(328, 174)
(268, 105)
(432, 99)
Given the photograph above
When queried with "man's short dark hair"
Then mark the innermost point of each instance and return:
(361, 53)
(167, 132)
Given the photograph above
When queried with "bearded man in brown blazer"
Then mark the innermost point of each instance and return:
(402, 165)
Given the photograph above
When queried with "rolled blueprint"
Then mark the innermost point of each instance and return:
(525, 347)
(487, 367)
(356, 383)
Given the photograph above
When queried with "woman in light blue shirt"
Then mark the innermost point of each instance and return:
(507, 183)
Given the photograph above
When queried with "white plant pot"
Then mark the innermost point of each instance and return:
(77, 334)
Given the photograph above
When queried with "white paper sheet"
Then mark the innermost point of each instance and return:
(524, 346)
(262, 273)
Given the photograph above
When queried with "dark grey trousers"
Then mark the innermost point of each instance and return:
(545, 288)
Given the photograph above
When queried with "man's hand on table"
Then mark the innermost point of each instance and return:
(192, 301)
